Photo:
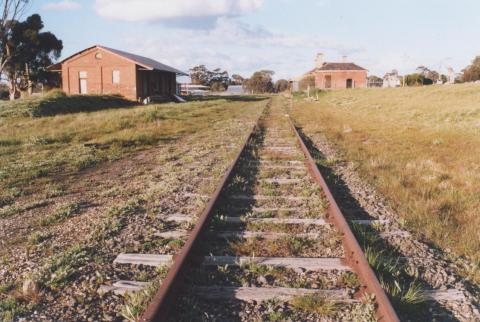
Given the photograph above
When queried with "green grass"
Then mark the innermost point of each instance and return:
(37, 237)
(349, 279)
(366, 312)
(315, 304)
(135, 303)
(419, 147)
(57, 102)
(11, 307)
(399, 281)
(61, 213)
(61, 269)
(13, 210)
(33, 150)
(115, 220)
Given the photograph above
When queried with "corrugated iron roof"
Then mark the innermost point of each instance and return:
(145, 62)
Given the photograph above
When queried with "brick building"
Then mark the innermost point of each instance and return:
(102, 70)
(338, 75)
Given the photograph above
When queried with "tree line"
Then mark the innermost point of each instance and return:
(218, 80)
(425, 76)
(472, 72)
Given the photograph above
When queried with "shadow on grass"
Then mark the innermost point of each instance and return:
(58, 103)
(385, 259)
(229, 98)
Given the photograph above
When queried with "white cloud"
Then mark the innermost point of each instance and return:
(62, 5)
(154, 10)
(237, 47)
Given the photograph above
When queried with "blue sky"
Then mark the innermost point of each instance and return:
(283, 35)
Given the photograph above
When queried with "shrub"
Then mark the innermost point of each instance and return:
(218, 87)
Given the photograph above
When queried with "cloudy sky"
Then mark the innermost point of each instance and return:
(282, 35)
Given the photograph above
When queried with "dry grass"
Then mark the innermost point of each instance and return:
(420, 147)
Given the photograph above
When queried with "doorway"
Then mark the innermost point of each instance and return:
(349, 83)
(83, 83)
(328, 81)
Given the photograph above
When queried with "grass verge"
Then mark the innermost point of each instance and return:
(420, 148)
(34, 150)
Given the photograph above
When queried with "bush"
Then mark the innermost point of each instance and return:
(306, 82)
(218, 87)
(57, 102)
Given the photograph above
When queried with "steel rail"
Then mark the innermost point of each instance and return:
(354, 255)
(163, 300)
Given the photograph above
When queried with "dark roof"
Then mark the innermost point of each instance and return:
(339, 66)
(145, 62)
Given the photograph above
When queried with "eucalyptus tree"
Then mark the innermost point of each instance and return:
(32, 52)
(11, 11)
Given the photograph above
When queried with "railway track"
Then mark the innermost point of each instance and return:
(271, 244)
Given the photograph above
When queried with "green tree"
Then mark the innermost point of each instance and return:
(429, 76)
(200, 75)
(307, 82)
(10, 11)
(237, 79)
(217, 76)
(472, 72)
(260, 82)
(33, 51)
(374, 81)
(415, 79)
(281, 85)
(218, 86)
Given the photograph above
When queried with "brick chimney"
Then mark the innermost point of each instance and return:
(319, 60)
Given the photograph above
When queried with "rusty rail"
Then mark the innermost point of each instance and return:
(163, 300)
(172, 285)
(354, 255)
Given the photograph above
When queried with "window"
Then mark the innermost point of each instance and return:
(328, 81)
(82, 76)
(116, 77)
(98, 55)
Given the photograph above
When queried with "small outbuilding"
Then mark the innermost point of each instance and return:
(338, 75)
(103, 70)
(391, 79)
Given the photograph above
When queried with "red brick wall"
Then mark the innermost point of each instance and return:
(100, 74)
(339, 79)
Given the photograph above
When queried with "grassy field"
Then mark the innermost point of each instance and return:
(34, 149)
(420, 147)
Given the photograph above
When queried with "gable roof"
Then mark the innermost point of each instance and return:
(145, 62)
(339, 66)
